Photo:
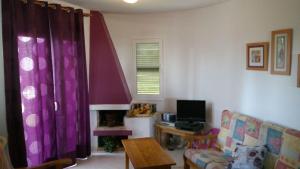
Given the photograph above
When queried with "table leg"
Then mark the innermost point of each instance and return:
(126, 161)
(159, 136)
(157, 132)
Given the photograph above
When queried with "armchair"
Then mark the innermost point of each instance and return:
(5, 163)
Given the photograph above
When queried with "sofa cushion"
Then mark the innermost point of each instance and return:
(228, 136)
(227, 118)
(207, 143)
(236, 134)
(239, 130)
(208, 159)
(272, 137)
(281, 165)
(290, 149)
(252, 131)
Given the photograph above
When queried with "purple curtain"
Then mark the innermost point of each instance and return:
(36, 82)
(72, 115)
(83, 119)
(14, 118)
(37, 78)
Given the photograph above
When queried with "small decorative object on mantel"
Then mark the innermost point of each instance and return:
(141, 110)
(298, 84)
(281, 52)
(257, 56)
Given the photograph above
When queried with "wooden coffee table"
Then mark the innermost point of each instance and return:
(146, 153)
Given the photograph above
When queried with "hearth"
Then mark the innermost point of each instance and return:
(111, 118)
(111, 129)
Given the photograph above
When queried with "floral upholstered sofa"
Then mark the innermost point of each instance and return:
(283, 144)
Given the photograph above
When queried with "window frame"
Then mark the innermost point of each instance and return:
(159, 96)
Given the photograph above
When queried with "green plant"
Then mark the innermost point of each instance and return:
(110, 144)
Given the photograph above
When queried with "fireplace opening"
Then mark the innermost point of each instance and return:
(111, 130)
(111, 118)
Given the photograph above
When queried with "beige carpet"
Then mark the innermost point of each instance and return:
(117, 161)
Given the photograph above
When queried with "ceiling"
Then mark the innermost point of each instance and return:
(142, 6)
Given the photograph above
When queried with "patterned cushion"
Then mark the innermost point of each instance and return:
(208, 159)
(237, 133)
(252, 131)
(248, 157)
(239, 130)
(272, 137)
(207, 143)
(290, 149)
(281, 165)
(227, 118)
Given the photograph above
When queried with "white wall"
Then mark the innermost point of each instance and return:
(204, 56)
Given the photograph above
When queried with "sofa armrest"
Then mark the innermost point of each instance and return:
(58, 164)
(3, 141)
(203, 141)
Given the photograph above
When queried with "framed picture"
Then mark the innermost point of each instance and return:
(281, 52)
(298, 79)
(257, 56)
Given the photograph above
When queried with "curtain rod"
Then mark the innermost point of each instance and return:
(42, 4)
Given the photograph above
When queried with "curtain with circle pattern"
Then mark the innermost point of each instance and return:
(46, 47)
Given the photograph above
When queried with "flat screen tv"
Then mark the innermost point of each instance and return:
(191, 110)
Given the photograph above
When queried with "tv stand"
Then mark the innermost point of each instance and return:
(190, 126)
(187, 135)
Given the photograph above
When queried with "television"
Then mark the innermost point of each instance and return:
(191, 110)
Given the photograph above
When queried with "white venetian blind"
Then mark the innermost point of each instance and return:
(147, 65)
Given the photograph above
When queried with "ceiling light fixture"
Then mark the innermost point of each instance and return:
(130, 1)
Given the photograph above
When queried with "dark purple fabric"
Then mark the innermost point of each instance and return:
(64, 53)
(48, 134)
(16, 142)
(72, 116)
(71, 95)
(36, 82)
(83, 119)
(107, 81)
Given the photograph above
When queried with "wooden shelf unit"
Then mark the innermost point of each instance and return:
(161, 129)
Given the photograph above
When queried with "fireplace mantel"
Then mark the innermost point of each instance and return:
(110, 107)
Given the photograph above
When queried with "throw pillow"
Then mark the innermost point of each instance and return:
(248, 157)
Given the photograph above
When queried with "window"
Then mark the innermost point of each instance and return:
(148, 71)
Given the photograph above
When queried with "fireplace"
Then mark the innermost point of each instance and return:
(111, 118)
(108, 90)
(111, 129)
